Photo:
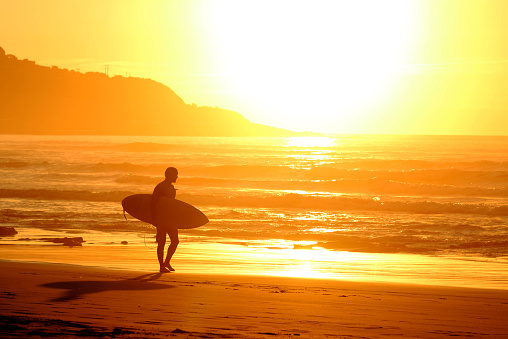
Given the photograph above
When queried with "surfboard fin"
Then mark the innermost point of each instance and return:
(124, 214)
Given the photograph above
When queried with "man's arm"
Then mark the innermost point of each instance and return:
(153, 204)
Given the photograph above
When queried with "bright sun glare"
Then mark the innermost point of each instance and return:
(310, 142)
(306, 65)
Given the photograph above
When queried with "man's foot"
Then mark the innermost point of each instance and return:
(168, 266)
(164, 270)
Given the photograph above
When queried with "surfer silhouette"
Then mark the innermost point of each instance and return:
(165, 189)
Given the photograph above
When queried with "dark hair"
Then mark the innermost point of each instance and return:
(171, 172)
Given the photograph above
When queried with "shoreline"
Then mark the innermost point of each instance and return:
(194, 257)
(40, 299)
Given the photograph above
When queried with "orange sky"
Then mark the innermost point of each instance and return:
(355, 66)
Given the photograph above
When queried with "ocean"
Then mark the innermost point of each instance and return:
(412, 209)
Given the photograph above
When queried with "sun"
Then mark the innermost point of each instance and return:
(310, 65)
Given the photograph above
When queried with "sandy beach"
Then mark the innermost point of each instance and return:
(77, 301)
(310, 169)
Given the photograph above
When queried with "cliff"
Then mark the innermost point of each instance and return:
(36, 99)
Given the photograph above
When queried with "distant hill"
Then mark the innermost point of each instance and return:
(36, 99)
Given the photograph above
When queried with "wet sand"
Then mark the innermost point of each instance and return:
(78, 301)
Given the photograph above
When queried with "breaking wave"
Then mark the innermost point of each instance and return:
(277, 199)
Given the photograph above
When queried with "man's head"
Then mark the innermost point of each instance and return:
(171, 174)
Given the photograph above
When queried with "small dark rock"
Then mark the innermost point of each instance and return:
(12, 328)
(120, 331)
(6, 231)
(124, 242)
(77, 241)
(66, 240)
(72, 242)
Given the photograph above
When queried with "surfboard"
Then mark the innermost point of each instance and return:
(171, 212)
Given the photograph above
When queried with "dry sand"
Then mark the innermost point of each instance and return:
(74, 301)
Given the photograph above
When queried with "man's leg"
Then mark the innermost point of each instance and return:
(161, 242)
(173, 236)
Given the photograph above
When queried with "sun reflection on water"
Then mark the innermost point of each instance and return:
(310, 142)
(307, 152)
(308, 263)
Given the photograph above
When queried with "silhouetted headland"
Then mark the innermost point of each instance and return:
(37, 99)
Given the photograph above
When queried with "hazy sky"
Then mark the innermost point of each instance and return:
(353, 66)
